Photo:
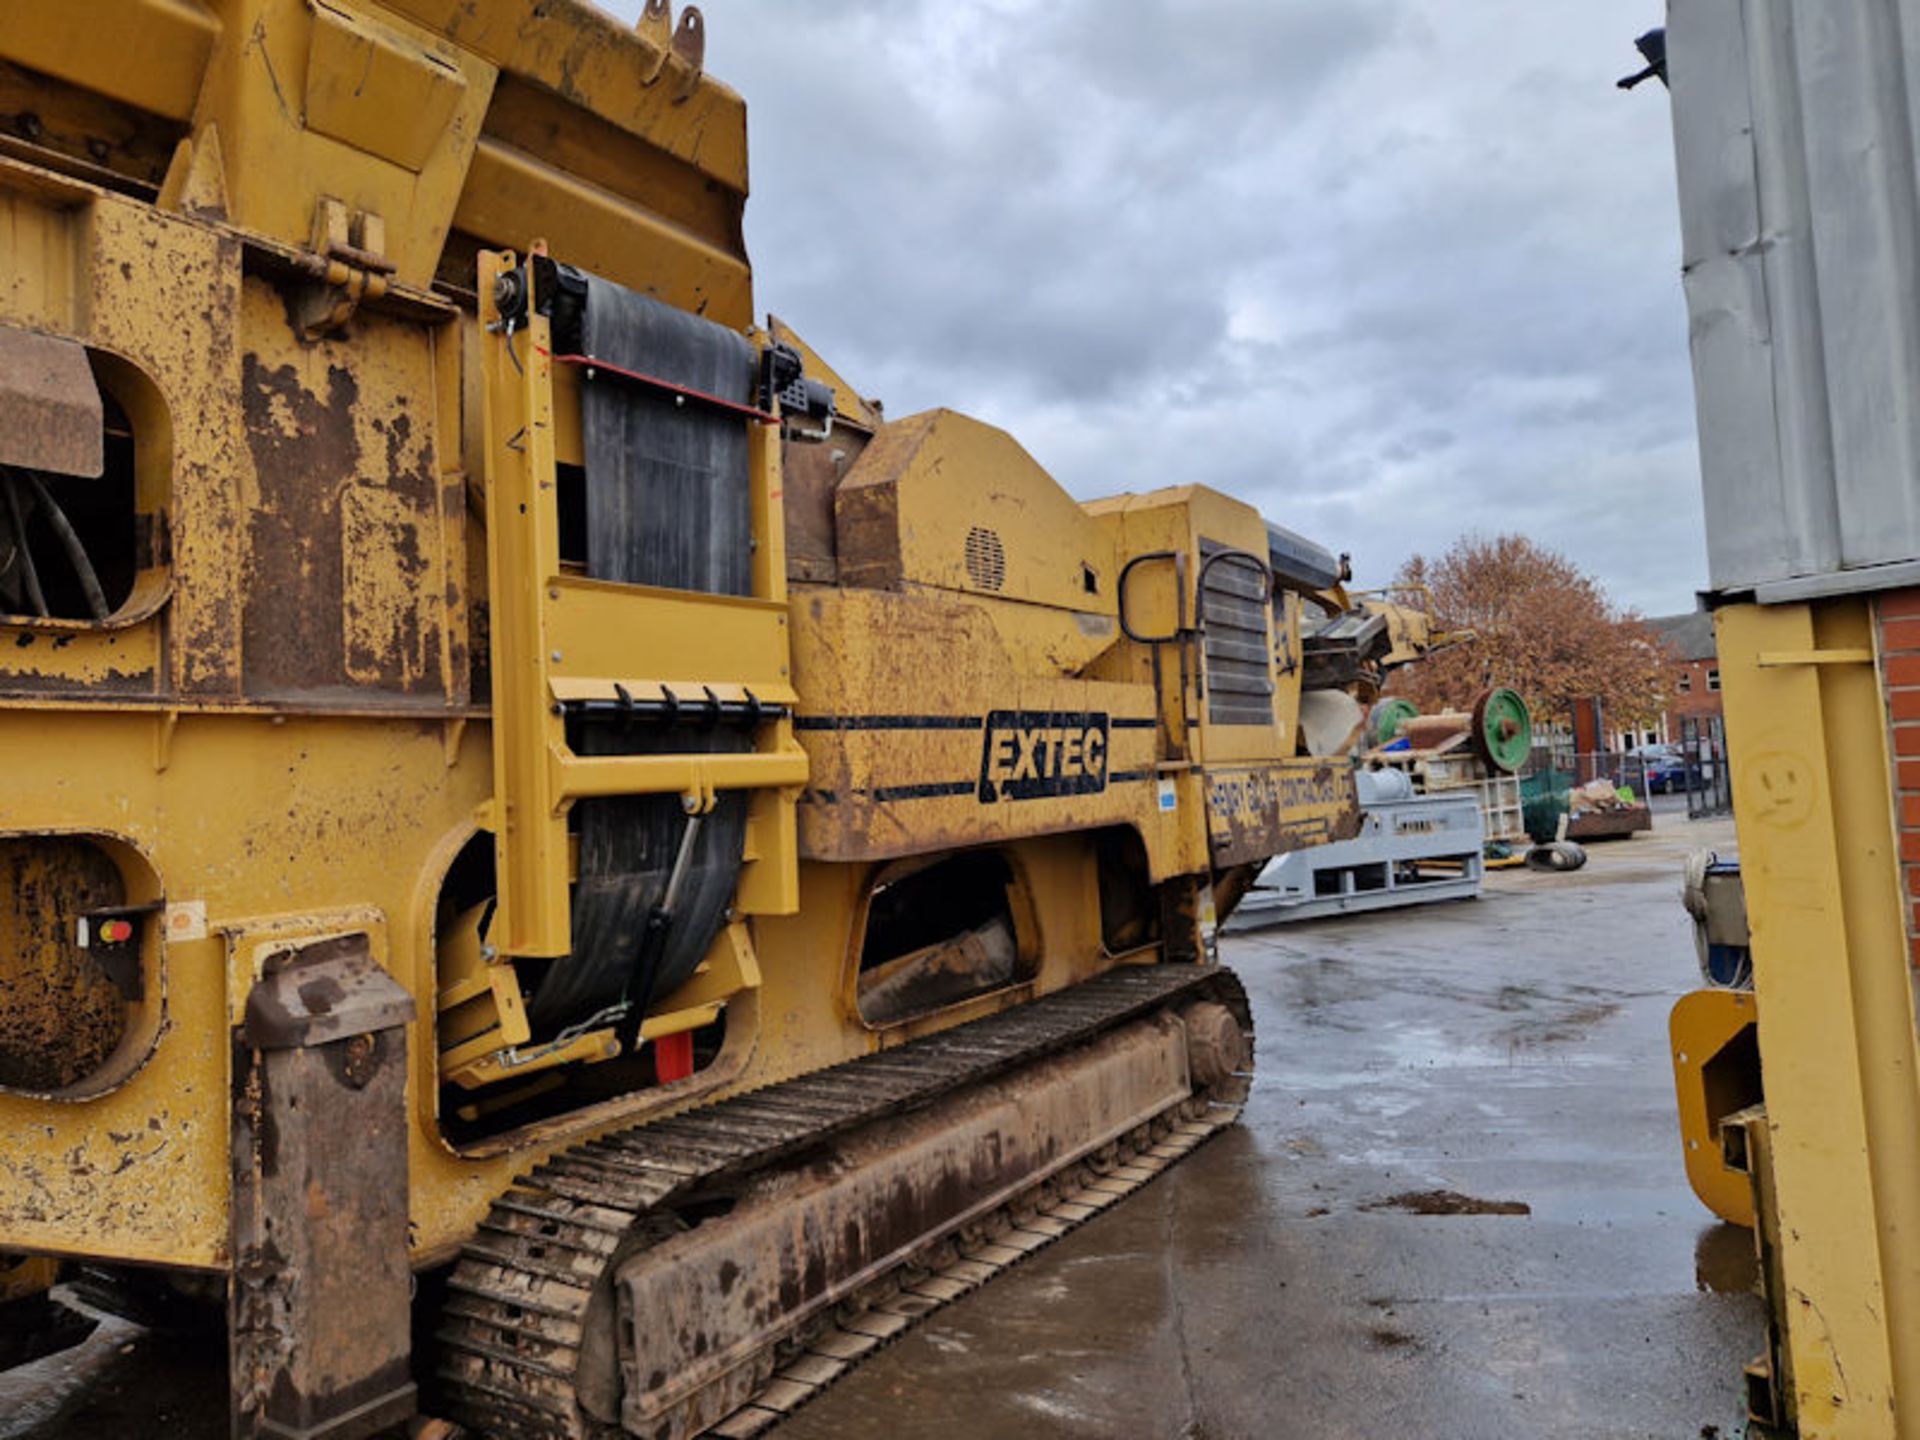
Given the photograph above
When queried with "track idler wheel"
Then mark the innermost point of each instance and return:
(1216, 1045)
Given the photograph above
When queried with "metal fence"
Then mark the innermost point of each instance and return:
(1570, 767)
(1709, 783)
(1696, 766)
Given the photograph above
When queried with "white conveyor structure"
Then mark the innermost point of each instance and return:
(1411, 849)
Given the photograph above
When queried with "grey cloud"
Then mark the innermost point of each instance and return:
(1391, 269)
(1179, 58)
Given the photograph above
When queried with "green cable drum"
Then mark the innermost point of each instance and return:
(1502, 729)
(1384, 723)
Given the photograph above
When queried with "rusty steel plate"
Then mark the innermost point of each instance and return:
(52, 405)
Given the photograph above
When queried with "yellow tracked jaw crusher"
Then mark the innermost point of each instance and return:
(522, 783)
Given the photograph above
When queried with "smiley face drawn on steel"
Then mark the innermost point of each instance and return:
(1780, 788)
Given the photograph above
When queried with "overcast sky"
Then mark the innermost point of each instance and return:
(1390, 269)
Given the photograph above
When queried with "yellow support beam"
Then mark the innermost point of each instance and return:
(156, 58)
(523, 547)
(576, 778)
(1813, 804)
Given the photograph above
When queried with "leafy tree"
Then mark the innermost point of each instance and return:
(1541, 625)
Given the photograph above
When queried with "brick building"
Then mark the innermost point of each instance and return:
(1898, 614)
(1694, 689)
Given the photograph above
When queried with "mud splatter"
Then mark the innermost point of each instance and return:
(1447, 1202)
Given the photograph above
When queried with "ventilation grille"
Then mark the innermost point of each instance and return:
(986, 558)
(1238, 650)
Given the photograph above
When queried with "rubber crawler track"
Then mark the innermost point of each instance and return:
(521, 1297)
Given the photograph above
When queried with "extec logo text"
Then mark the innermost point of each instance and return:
(1034, 754)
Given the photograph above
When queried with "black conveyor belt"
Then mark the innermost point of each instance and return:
(668, 503)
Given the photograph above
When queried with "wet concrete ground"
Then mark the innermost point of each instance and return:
(1508, 1051)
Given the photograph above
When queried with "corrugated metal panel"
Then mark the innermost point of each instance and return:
(1795, 133)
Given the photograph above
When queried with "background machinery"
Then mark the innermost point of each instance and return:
(522, 782)
(1435, 791)
(1794, 129)
(1410, 849)
(1478, 751)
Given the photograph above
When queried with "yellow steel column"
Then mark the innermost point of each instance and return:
(523, 566)
(1806, 732)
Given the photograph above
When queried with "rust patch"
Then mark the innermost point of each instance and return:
(339, 588)
(318, 1310)
(304, 453)
(384, 572)
(866, 505)
(810, 474)
(322, 995)
(324, 991)
(111, 682)
(867, 535)
(60, 1017)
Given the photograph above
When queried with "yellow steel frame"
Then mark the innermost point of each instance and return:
(1807, 735)
(557, 636)
(1701, 1025)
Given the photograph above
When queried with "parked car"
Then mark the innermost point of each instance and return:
(1665, 768)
